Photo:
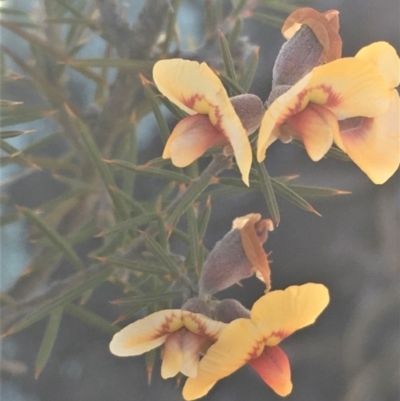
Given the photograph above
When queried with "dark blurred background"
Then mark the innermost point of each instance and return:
(352, 353)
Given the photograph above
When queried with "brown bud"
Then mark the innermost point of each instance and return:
(230, 309)
(237, 255)
(249, 109)
(197, 305)
(297, 57)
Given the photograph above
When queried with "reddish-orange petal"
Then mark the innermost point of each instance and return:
(316, 126)
(274, 368)
(190, 139)
(374, 145)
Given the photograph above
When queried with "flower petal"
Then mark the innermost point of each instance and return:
(190, 139)
(375, 145)
(188, 84)
(239, 342)
(274, 368)
(202, 325)
(280, 313)
(192, 344)
(385, 58)
(196, 89)
(147, 333)
(324, 25)
(349, 87)
(172, 360)
(316, 126)
(255, 252)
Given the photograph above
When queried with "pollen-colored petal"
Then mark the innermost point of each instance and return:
(375, 145)
(349, 87)
(188, 84)
(202, 325)
(324, 25)
(190, 139)
(238, 343)
(316, 125)
(280, 313)
(274, 368)
(385, 58)
(147, 333)
(172, 360)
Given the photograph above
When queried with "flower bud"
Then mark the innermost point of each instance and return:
(230, 309)
(197, 305)
(238, 255)
(313, 39)
(249, 109)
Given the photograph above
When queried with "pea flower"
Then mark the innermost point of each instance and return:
(213, 120)
(182, 332)
(317, 110)
(255, 341)
(238, 255)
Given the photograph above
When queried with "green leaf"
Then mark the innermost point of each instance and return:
(80, 284)
(171, 17)
(129, 224)
(292, 197)
(235, 32)
(317, 192)
(204, 218)
(135, 265)
(146, 299)
(101, 167)
(160, 253)
(90, 318)
(151, 171)
(194, 246)
(227, 57)
(131, 202)
(238, 6)
(132, 65)
(54, 237)
(268, 192)
(269, 19)
(48, 340)
(233, 88)
(151, 98)
(249, 72)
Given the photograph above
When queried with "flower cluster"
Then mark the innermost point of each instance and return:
(323, 100)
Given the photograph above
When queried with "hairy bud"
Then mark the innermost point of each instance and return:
(197, 305)
(230, 309)
(249, 109)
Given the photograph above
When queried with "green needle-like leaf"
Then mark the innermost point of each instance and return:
(13, 134)
(194, 247)
(151, 171)
(233, 88)
(227, 57)
(292, 196)
(90, 318)
(268, 192)
(250, 71)
(204, 218)
(132, 65)
(48, 340)
(79, 284)
(134, 265)
(54, 237)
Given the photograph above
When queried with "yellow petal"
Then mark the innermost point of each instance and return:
(274, 368)
(316, 126)
(385, 58)
(172, 360)
(147, 333)
(349, 87)
(192, 344)
(196, 89)
(280, 313)
(202, 325)
(188, 84)
(239, 342)
(375, 145)
(190, 139)
(285, 106)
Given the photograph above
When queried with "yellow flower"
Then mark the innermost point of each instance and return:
(212, 119)
(182, 332)
(273, 317)
(360, 86)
